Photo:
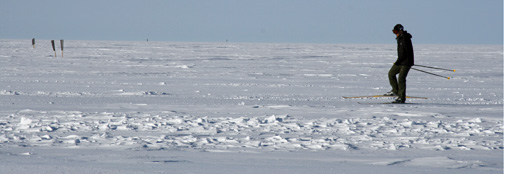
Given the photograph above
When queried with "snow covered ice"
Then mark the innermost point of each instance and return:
(246, 108)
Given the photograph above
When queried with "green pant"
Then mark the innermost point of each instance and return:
(399, 85)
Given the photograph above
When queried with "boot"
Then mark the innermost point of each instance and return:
(391, 93)
(399, 100)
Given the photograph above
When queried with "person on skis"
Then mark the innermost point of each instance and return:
(402, 65)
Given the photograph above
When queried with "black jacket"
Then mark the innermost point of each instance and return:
(405, 50)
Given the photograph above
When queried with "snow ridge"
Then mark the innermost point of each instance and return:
(157, 131)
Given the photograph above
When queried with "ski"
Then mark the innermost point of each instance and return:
(383, 96)
(384, 103)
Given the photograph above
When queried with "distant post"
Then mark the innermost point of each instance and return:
(33, 42)
(54, 49)
(61, 42)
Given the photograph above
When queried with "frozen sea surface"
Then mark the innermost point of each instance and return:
(160, 107)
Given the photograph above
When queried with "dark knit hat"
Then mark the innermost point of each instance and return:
(398, 27)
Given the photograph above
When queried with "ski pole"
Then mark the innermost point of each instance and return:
(453, 70)
(431, 73)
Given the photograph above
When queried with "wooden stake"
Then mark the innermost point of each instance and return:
(61, 42)
(54, 49)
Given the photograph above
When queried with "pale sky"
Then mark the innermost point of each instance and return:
(279, 21)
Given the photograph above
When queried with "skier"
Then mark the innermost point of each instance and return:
(402, 65)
